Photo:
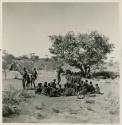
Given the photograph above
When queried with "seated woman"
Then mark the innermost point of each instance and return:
(69, 90)
(53, 90)
(61, 90)
(91, 88)
(83, 92)
(97, 89)
(44, 90)
(39, 89)
(49, 89)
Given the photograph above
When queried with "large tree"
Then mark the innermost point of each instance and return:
(82, 51)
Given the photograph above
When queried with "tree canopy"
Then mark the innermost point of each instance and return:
(81, 50)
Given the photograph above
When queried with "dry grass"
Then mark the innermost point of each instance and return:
(11, 100)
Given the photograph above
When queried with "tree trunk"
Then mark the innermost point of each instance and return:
(82, 71)
(85, 69)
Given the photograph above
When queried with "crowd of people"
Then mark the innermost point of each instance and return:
(73, 77)
(74, 85)
(28, 80)
(53, 89)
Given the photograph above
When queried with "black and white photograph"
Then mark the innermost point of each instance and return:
(60, 62)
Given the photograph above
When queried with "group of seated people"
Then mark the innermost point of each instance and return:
(68, 89)
(49, 89)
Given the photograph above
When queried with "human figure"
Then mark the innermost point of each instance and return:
(44, 90)
(28, 81)
(88, 69)
(97, 89)
(67, 75)
(61, 90)
(24, 79)
(35, 75)
(49, 89)
(81, 82)
(91, 88)
(76, 86)
(39, 89)
(54, 83)
(32, 81)
(59, 71)
(55, 89)
(86, 84)
(57, 86)
(83, 92)
(69, 91)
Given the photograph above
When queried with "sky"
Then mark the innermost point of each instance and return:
(26, 26)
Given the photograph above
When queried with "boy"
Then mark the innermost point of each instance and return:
(32, 81)
(28, 81)
(24, 80)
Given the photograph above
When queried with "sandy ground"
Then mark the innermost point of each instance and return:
(43, 109)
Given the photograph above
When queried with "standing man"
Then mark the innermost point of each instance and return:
(35, 75)
(24, 78)
(59, 71)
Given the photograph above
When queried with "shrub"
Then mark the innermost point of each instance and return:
(26, 94)
(12, 99)
(9, 109)
(105, 75)
(11, 96)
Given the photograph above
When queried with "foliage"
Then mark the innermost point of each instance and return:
(22, 57)
(81, 50)
(18, 65)
(12, 99)
(7, 60)
(105, 74)
(50, 64)
(26, 94)
(10, 109)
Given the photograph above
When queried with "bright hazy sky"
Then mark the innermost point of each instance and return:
(26, 26)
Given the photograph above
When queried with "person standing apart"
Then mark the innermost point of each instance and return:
(59, 71)
(35, 75)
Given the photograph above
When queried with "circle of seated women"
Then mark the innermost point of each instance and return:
(79, 88)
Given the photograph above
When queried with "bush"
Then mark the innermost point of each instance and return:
(12, 99)
(26, 94)
(11, 96)
(105, 75)
(9, 109)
